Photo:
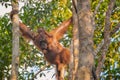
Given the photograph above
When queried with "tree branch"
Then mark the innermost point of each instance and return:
(106, 38)
(95, 12)
(71, 65)
(75, 40)
(99, 47)
(15, 41)
(115, 29)
(97, 7)
(40, 71)
(102, 42)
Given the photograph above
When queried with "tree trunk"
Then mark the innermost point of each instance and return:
(15, 42)
(86, 58)
(106, 44)
(75, 40)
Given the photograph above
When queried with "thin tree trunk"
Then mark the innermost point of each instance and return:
(71, 62)
(75, 40)
(15, 42)
(106, 38)
(86, 58)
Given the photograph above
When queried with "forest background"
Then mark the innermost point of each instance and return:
(48, 14)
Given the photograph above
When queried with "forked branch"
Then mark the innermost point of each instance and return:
(106, 38)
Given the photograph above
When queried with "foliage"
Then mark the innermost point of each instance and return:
(5, 48)
(34, 14)
(40, 14)
(48, 15)
(112, 63)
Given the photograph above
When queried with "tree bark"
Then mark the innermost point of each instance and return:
(106, 38)
(75, 40)
(86, 58)
(15, 42)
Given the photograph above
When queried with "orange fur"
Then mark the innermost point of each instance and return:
(48, 43)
